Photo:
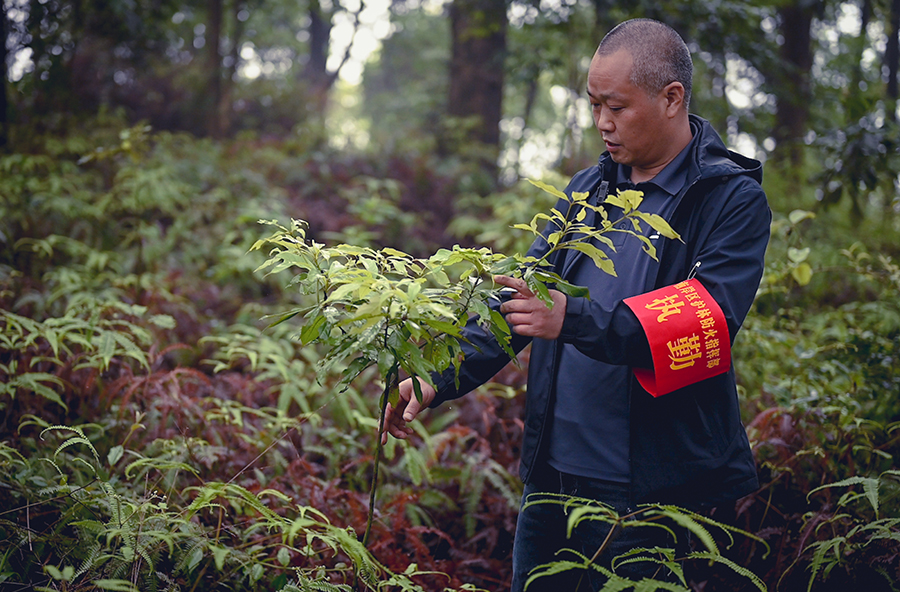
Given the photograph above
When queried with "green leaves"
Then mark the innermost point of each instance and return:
(382, 307)
(574, 233)
(800, 269)
(672, 519)
(405, 315)
(871, 488)
(371, 304)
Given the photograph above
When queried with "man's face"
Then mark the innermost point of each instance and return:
(633, 124)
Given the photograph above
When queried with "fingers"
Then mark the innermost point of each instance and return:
(394, 425)
(523, 301)
(530, 317)
(516, 284)
(407, 409)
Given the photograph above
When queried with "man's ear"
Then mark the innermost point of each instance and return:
(674, 95)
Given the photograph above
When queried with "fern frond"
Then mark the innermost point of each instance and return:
(80, 438)
(647, 585)
(305, 584)
(738, 569)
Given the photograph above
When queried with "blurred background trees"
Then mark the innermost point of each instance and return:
(498, 84)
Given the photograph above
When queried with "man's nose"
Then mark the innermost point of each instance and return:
(603, 121)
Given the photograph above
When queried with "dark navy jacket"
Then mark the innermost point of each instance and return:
(688, 446)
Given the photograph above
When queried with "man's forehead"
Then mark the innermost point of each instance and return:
(610, 77)
(616, 64)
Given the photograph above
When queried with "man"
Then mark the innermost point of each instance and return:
(591, 427)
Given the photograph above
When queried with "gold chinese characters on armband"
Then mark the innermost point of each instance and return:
(688, 336)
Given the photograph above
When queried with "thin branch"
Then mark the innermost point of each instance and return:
(333, 76)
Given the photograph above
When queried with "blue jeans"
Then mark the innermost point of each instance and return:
(541, 536)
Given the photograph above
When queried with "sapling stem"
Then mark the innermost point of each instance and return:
(388, 385)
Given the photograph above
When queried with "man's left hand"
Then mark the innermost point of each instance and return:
(527, 315)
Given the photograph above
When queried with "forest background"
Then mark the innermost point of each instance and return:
(155, 436)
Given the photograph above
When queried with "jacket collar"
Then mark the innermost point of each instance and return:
(709, 158)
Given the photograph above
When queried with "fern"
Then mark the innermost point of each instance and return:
(738, 569)
(79, 438)
(307, 585)
(647, 516)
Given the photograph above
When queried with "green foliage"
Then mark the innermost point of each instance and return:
(573, 233)
(405, 316)
(843, 354)
(74, 341)
(671, 519)
(106, 263)
(847, 535)
(862, 161)
(116, 531)
(135, 382)
(487, 220)
(817, 367)
(375, 204)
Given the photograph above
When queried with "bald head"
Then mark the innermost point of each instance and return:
(659, 53)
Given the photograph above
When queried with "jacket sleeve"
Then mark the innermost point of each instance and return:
(729, 243)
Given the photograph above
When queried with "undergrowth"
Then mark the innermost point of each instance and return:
(153, 437)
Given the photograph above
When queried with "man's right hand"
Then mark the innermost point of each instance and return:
(408, 407)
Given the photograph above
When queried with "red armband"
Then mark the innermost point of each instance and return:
(688, 336)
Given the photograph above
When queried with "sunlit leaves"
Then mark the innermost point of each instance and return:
(383, 307)
(375, 305)
(405, 315)
(575, 230)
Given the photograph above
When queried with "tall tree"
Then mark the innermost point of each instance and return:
(84, 53)
(316, 72)
(4, 107)
(214, 66)
(892, 58)
(478, 38)
(793, 90)
(317, 77)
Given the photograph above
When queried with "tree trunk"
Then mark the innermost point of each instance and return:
(793, 94)
(214, 67)
(4, 78)
(223, 108)
(892, 58)
(316, 71)
(530, 101)
(478, 34)
(603, 19)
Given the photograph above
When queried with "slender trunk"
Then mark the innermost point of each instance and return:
(892, 58)
(214, 66)
(316, 70)
(856, 109)
(478, 33)
(390, 383)
(224, 106)
(4, 108)
(793, 96)
(719, 85)
(603, 19)
(530, 100)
